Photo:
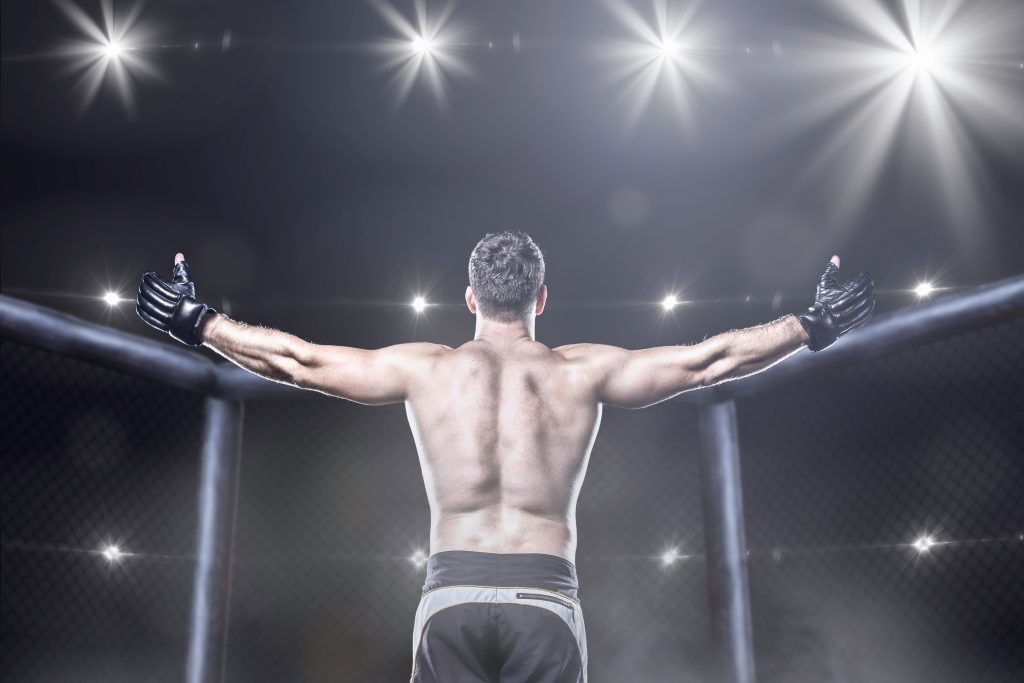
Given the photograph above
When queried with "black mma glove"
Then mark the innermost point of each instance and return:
(837, 309)
(171, 306)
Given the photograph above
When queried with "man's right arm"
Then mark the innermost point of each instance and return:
(641, 378)
(636, 379)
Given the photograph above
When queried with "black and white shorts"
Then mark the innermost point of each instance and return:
(499, 617)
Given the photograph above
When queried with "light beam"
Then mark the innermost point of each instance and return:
(924, 290)
(919, 82)
(665, 54)
(111, 50)
(425, 48)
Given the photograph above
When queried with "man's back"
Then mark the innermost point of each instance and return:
(504, 430)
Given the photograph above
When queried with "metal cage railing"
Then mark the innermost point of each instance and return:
(226, 388)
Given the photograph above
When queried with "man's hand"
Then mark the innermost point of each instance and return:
(172, 306)
(837, 309)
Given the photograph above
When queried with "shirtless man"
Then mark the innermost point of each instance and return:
(503, 426)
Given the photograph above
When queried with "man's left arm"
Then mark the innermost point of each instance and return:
(369, 376)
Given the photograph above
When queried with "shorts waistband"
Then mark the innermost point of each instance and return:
(472, 568)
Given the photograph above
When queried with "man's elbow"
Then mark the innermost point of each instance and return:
(718, 371)
(716, 363)
(296, 364)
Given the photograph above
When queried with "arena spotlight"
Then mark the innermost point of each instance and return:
(112, 553)
(663, 54)
(669, 302)
(921, 59)
(111, 50)
(924, 290)
(924, 544)
(670, 556)
(112, 298)
(425, 48)
(418, 559)
(419, 304)
(421, 45)
(925, 80)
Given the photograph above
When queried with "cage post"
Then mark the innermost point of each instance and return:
(725, 541)
(218, 491)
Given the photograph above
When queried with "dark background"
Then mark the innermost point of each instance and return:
(306, 200)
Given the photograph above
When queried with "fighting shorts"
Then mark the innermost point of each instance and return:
(496, 617)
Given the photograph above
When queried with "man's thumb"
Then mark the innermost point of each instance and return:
(180, 274)
(835, 260)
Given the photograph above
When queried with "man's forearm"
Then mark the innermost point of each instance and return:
(267, 352)
(743, 352)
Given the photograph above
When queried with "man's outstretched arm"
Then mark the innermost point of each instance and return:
(369, 376)
(374, 377)
(637, 379)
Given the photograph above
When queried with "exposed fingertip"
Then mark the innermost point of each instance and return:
(835, 260)
(179, 257)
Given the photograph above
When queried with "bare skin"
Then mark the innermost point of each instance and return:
(503, 424)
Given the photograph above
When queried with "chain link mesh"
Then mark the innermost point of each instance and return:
(332, 507)
(93, 458)
(842, 474)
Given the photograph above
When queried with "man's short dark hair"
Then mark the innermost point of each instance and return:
(506, 271)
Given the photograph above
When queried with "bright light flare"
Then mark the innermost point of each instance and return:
(669, 302)
(425, 48)
(922, 59)
(112, 298)
(112, 553)
(421, 45)
(924, 544)
(924, 290)
(662, 55)
(418, 559)
(111, 50)
(670, 556)
(419, 304)
(916, 80)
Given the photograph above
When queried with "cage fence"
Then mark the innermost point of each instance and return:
(843, 474)
(93, 460)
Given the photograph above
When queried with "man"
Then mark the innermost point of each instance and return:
(503, 426)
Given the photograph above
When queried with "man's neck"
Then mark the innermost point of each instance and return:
(491, 330)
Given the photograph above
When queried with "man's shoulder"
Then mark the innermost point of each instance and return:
(585, 351)
(414, 352)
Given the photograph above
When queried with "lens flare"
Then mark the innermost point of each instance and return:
(666, 54)
(924, 544)
(919, 82)
(110, 50)
(418, 559)
(425, 48)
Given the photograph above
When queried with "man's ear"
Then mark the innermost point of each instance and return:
(470, 300)
(542, 299)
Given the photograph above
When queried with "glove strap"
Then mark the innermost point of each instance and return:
(820, 326)
(187, 319)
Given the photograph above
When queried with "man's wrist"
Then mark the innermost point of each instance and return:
(207, 324)
(798, 328)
